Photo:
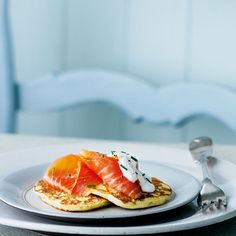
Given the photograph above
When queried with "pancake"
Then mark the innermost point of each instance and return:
(68, 202)
(161, 195)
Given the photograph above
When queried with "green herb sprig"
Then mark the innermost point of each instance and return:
(53, 171)
(91, 185)
(123, 167)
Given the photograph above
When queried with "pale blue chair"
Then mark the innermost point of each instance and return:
(175, 103)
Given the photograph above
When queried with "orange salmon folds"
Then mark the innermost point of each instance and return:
(75, 173)
(71, 175)
(107, 168)
(86, 179)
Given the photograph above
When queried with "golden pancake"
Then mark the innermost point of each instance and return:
(161, 195)
(66, 202)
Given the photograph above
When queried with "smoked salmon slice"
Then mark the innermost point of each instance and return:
(71, 175)
(86, 178)
(107, 168)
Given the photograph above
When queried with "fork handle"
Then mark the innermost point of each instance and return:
(205, 170)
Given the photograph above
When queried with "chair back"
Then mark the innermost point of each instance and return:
(175, 104)
(7, 84)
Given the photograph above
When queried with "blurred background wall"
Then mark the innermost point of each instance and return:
(163, 41)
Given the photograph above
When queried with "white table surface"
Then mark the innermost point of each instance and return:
(17, 142)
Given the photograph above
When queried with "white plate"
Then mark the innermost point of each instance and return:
(181, 219)
(16, 189)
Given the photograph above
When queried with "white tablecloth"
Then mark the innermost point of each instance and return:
(17, 142)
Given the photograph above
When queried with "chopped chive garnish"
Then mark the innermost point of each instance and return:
(91, 185)
(113, 152)
(53, 171)
(148, 180)
(143, 174)
(132, 157)
(123, 152)
(123, 167)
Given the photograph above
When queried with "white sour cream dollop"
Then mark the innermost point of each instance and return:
(129, 167)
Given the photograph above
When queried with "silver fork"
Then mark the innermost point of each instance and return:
(210, 195)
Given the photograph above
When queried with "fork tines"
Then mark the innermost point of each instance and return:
(211, 197)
